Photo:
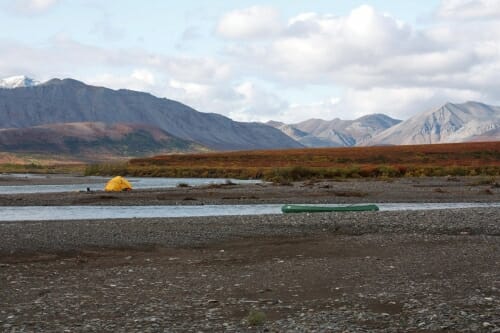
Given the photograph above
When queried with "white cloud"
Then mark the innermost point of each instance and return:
(244, 102)
(315, 48)
(257, 104)
(197, 69)
(396, 102)
(248, 23)
(144, 75)
(399, 103)
(193, 91)
(354, 103)
(32, 7)
(204, 97)
(469, 9)
(326, 109)
(384, 65)
(63, 56)
(138, 79)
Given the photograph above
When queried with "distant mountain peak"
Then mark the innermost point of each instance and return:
(275, 124)
(337, 132)
(470, 121)
(18, 81)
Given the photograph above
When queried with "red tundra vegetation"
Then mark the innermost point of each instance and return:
(474, 158)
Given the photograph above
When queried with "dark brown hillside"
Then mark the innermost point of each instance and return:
(93, 141)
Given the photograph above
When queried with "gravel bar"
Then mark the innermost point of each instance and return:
(195, 231)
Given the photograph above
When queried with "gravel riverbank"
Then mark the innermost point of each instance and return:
(62, 236)
(405, 271)
(425, 189)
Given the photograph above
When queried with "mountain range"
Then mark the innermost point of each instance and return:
(58, 105)
(471, 121)
(336, 132)
(73, 118)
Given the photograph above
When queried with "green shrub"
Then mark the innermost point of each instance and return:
(256, 318)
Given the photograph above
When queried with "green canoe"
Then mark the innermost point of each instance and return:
(320, 209)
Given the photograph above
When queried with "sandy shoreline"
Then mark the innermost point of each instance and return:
(412, 271)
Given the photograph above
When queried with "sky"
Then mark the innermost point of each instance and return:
(271, 60)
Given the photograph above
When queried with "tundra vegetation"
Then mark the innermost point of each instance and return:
(284, 166)
(43, 168)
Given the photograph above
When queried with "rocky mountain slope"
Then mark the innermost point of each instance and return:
(337, 132)
(471, 121)
(69, 101)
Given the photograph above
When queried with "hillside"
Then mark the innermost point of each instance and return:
(471, 121)
(93, 141)
(69, 101)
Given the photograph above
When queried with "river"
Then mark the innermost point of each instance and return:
(98, 183)
(48, 213)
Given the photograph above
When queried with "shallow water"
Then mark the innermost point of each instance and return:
(45, 213)
(98, 183)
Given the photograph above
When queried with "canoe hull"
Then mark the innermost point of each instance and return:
(323, 209)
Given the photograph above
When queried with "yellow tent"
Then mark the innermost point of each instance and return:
(118, 184)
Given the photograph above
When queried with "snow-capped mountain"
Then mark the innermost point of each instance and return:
(18, 81)
(471, 121)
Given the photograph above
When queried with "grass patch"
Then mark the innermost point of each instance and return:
(43, 169)
(256, 318)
